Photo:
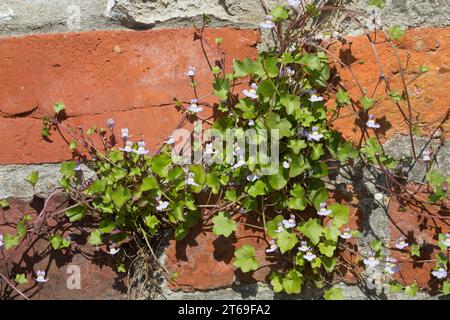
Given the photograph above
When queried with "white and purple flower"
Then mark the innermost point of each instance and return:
(304, 246)
(191, 71)
(252, 92)
(401, 243)
(240, 163)
(315, 98)
(289, 223)
(268, 23)
(40, 277)
(346, 234)
(141, 148)
(314, 135)
(110, 123)
(294, 3)
(440, 273)
(309, 256)
(209, 150)
(279, 228)
(286, 164)
(371, 261)
(253, 177)
(125, 134)
(323, 211)
(162, 205)
(190, 179)
(391, 266)
(113, 250)
(1, 241)
(128, 147)
(426, 155)
(194, 107)
(251, 123)
(169, 141)
(273, 246)
(371, 123)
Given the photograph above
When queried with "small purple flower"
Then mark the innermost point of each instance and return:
(125, 133)
(371, 123)
(286, 164)
(446, 240)
(426, 156)
(401, 243)
(294, 3)
(304, 246)
(268, 23)
(440, 273)
(346, 234)
(1, 241)
(251, 123)
(252, 92)
(209, 150)
(314, 135)
(253, 177)
(191, 71)
(371, 261)
(323, 211)
(391, 266)
(273, 246)
(113, 250)
(315, 98)
(279, 228)
(162, 205)
(40, 277)
(194, 107)
(309, 256)
(141, 148)
(290, 223)
(190, 179)
(128, 147)
(110, 123)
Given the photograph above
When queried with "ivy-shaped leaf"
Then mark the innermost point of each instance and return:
(245, 258)
(286, 241)
(223, 225)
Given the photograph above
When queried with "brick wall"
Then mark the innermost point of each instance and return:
(100, 70)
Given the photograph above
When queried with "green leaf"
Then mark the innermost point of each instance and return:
(292, 283)
(445, 288)
(76, 213)
(277, 181)
(160, 164)
(298, 200)
(258, 189)
(376, 245)
(366, 102)
(378, 3)
(245, 67)
(213, 182)
(423, 69)
(415, 250)
(59, 107)
(286, 241)
(279, 13)
(318, 196)
(121, 268)
(10, 241)
(148, 183)
(346, 151)
(199, 177)
(58, 242)
(21, 278)
(312, 229)
(329, 263)
(317, 151)
(311, 61)
(223, 225)
(291, 103)
(98, 186)
(4, 204)
(152, 222)
(221, 88)
(68, 169)
(342, 97)
(412, 290)
(395, 287)
(106, 226)
(327, 248)
(95, 238)
(340, 214)
(33, 178)
(396, 32)
(334, 293)
(73, 145)
(231, 195)
(120, 196)
(298, 166)
(276, 282)
(245, 258)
